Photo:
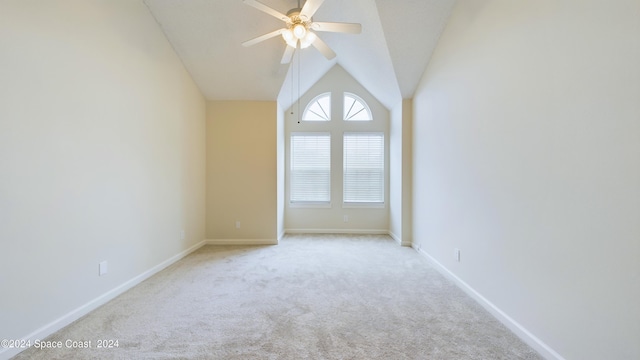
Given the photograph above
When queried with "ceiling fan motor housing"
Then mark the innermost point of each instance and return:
(298, 29)
(295, 18)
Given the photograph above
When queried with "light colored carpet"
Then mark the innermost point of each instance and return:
(311, 297)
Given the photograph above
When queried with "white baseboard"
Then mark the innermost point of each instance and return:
(338, 231)
(74, 315)
(505, 319)
(395, 237)
(241, 242)
(399, 240)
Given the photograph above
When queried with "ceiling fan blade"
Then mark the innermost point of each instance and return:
(288, 54)
(264, 8)
(310, 7)
(337, 27)
(324, 48)
(263, 38)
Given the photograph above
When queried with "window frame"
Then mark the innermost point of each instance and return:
(358, 100)
(316, 100)
(336, 130)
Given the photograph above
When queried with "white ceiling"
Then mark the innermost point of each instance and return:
(388, 58)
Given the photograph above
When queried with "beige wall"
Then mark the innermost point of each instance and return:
(281, 173)
(407, 172)
(242, 171)
(400, 172)
(102, 155)
(395, 172)
(527, 158)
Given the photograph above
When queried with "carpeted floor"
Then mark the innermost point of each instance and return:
(311, 297)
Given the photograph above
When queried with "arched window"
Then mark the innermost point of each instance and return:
(356, 109)
(361, 141)
(318, 109)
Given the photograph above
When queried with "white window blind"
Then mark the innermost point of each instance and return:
(363, 168)
(310, 168)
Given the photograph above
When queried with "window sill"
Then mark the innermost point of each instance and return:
(363, 205)
(310, 205)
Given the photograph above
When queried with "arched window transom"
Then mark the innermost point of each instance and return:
(356, 109)
(318, 109)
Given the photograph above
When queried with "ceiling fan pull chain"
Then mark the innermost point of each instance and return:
(299, 64)
(292, 86)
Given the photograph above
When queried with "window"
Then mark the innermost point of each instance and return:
(310, 168)
(363, 168)
(356, 109)
(318, 109)
(337, 162)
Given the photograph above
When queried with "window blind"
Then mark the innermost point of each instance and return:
(310, 168)
(363, 168)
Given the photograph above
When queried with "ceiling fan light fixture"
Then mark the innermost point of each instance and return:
(293, 43)
(289, 38)
(287, 35)
(299, 31)
(308, 40)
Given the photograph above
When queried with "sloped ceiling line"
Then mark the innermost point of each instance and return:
(207, 35)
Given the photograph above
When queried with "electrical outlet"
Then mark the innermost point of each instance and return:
(182, 236)
(103, 268)
(237, 224)
(346, 218)
(456, 255)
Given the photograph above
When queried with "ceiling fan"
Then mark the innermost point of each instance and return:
(300, 27)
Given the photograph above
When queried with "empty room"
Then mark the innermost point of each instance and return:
(320, 179)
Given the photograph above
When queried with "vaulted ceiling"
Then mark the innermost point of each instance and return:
(388, 57)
